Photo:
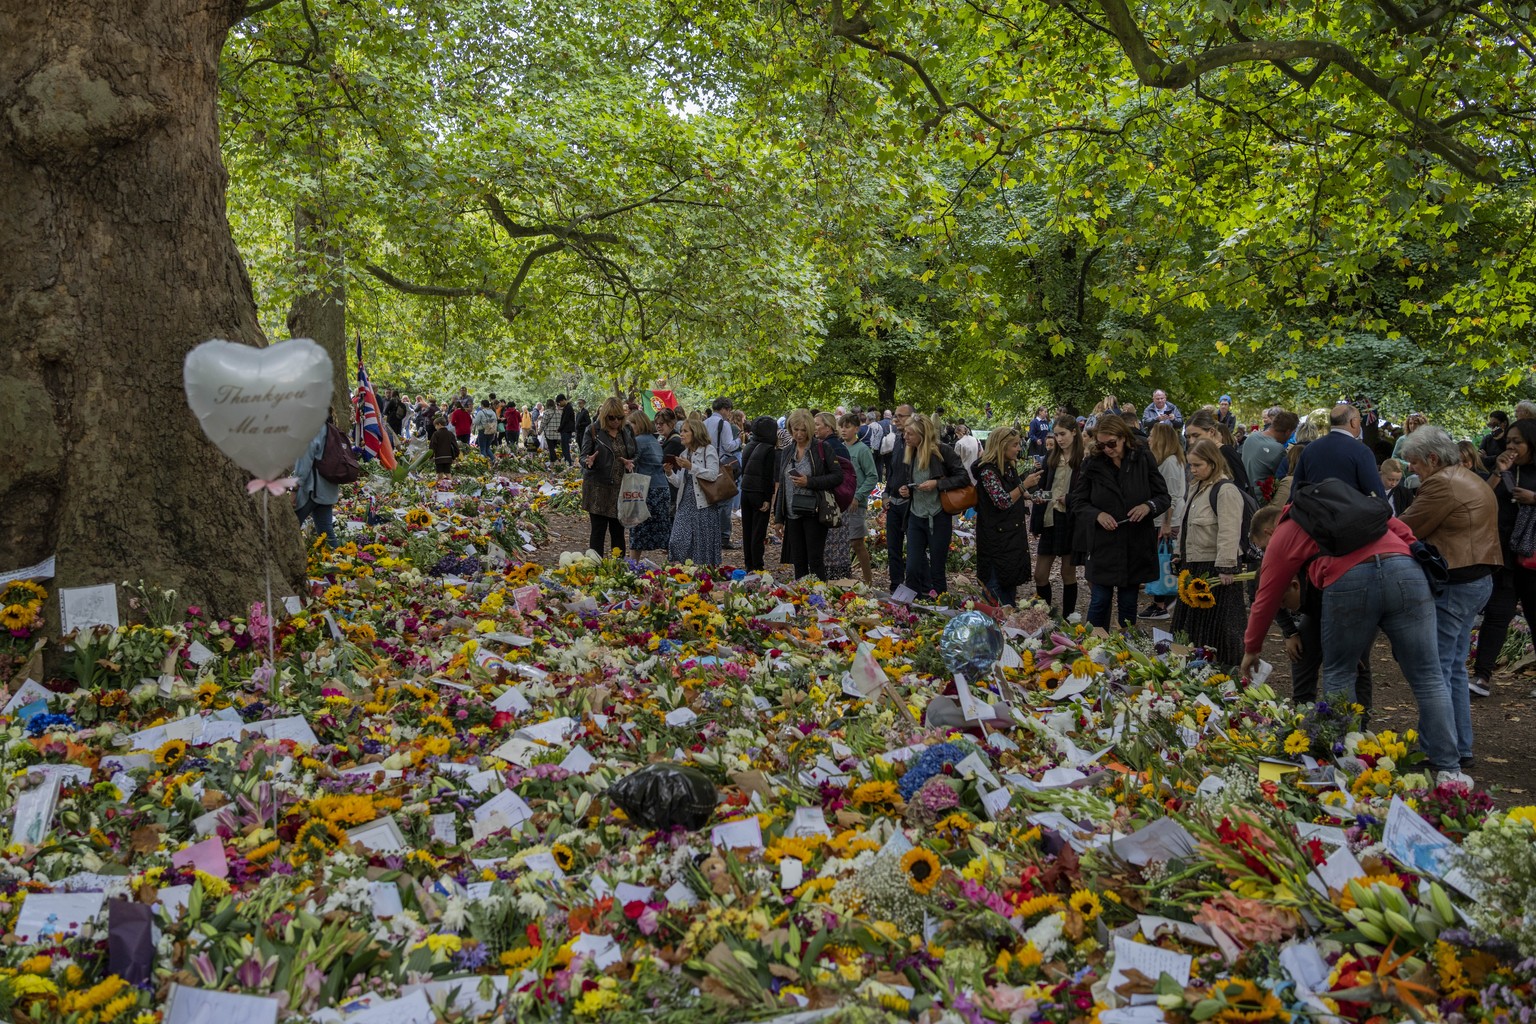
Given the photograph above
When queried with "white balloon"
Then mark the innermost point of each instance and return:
(261, 406)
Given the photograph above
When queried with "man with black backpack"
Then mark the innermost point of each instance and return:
(1356, 557)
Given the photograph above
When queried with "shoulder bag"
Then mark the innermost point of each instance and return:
(721, 488)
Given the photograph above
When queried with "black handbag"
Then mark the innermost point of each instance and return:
(803, 503)
(1437, 573)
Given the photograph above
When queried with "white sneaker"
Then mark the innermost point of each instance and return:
(1478, 686)
(1457, 776)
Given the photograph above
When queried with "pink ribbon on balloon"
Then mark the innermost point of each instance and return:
(281, 485)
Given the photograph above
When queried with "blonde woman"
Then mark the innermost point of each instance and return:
(1211, 541)
(1168, 453)
(695, 526)
(607, 453)
(1002, 516)
(805, 469)
(931, 467)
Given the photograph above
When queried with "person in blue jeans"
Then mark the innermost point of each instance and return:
(315, 497)
(1379, 586)
(931, 467)
(1456, 513)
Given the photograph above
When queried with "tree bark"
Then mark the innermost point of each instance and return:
(118, 260)
(320, 313)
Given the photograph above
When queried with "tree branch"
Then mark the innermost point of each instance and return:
(509, 306)
(257, 7)
(1154, 71)
(430, 289)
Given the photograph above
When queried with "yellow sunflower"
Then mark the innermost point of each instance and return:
(1247, 1003)
(23, 592)
(1086, 903)
(1200, 595)
(317, 836)
(564, 856)
(17, 616)
(922, 870)
(170, 752)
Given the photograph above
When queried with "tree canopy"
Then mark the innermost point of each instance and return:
(936, 199)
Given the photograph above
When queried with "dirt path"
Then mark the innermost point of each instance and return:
(1503, 749)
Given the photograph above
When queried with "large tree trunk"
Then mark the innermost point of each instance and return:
(320, 313)
(118, 259)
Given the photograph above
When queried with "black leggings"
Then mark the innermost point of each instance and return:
(754, 530)
(601, 525)
(1511, 584)
(805, 542)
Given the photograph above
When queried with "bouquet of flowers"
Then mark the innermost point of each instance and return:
(1195, 589)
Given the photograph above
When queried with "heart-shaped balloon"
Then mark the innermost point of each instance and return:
(261, 406)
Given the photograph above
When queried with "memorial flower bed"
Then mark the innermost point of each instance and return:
(408, 815)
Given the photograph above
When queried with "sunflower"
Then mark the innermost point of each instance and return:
(17, 616)
(23, 592)
(1247, 1003)
(171, 752)
(317, 836)
(1087, 903)
(876, 793)
(955, 822)
(418, 519)
(1199, 593)
(922, 870)
(564, 856)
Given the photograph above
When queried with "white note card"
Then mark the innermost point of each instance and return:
(203, 1006)
(85, 607)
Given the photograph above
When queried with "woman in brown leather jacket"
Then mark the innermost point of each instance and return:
(1458, 514)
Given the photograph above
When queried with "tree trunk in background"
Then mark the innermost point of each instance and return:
(885, 381)
(321, 312)
(118, 259)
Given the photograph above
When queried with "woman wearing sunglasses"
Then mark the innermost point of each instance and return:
(1117, 497)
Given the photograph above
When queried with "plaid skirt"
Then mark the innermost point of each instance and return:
(1220, 627)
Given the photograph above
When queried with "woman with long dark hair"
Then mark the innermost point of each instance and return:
(1055, 532)
(1514, 485)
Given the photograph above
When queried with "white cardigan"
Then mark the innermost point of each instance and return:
(706, 466)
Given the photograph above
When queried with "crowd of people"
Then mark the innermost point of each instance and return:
(1331, 522)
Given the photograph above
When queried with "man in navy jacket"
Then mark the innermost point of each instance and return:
(1340, 455)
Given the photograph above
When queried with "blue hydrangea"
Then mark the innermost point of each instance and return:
(40, 724)
(928, 764)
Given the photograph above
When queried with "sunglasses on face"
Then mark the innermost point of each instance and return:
(1111, 443)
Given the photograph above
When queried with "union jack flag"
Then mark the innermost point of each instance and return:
(371, 422)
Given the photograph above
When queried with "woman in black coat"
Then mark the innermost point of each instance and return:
(1002, 517)
(1117, 497)
(804, 470)
(758, 464)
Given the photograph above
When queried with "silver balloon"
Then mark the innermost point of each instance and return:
(261, 406)
(971, 644)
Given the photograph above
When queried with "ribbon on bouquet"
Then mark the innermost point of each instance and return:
(281, 485)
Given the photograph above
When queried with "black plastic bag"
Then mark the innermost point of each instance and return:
(666, 795)
(130, 941)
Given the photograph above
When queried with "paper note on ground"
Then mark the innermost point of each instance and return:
(1151, 961)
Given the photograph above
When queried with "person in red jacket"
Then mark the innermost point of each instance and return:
(1377, 586)
(513, 418)
(462, 422)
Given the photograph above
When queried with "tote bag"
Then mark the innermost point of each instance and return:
(633, 491)
(1167, 582)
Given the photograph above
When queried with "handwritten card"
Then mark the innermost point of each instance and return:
(1150, 961)
(866, 678)
(808, 821)
(511, 807)
(82, 608)
(526, 599)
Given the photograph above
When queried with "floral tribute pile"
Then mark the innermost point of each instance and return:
(406, 817)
